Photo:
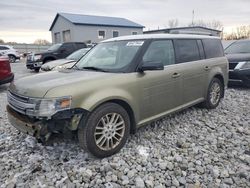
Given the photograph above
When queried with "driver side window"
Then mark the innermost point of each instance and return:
(160, 51)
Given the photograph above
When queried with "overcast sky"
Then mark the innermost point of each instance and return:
(27, 20)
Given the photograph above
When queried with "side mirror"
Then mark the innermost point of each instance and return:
(151, 65)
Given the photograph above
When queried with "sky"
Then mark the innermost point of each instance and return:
(25, 21)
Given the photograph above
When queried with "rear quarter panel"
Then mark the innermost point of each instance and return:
(219, 66)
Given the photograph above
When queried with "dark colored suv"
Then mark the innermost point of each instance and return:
(57, 51)
(6, 75)
(238, 54)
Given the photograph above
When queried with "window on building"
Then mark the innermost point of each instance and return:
(115, 34)
(57, 37)
(101, 34)
(160, 51)
(187, 50)
(134, 32)
(66, 36)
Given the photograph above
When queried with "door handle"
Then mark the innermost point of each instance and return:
(207, 68)
(176, 75)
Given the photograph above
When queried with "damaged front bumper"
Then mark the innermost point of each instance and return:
(25, 124)
(42, 128)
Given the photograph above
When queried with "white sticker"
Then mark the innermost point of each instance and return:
(135, 43)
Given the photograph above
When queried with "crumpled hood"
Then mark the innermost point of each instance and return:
(238, 57)
(38, 85)
(50, 65)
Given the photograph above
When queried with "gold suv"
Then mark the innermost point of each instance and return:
(118, 86)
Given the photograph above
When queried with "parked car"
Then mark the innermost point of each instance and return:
(238, 55)
(10, 52)
(6, 75)
(121, 84)
(57, 51)
(65, 63)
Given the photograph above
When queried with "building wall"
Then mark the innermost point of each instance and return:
(83, 33)
(201, 30)
(61, 25)
(90, 33)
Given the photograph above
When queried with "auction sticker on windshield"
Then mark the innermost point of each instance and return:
(135, 43)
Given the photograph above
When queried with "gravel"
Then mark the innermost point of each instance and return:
(193, 148)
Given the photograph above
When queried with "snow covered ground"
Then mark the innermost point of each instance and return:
(193, 148)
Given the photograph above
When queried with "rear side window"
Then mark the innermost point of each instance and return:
(186, 50)
(213, 48)
(4, 48)
(160, 51)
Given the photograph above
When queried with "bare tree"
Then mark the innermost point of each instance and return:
(41, 42)
(173, 23)
(1, 41)
(215, 24)
(242, 32)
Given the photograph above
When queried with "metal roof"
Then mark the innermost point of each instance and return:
(160, 36)
(79, 19)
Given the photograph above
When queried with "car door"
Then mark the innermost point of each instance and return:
(189, 54)
(160, 89)
(66, 49)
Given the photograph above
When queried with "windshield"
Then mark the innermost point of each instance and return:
(110, 56)
(238, 47)
(54, 47)
(78, 54)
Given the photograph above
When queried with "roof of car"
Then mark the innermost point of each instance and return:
(160, 36)
(79, 19)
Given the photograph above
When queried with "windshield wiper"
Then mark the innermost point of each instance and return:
(94, 68)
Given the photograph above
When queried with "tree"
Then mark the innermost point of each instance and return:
(173, 23)
(215, 24)
(41, 42)
(1, 41)
(242, 32)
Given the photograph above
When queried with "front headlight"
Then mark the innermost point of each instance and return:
(37, 57)
(48, 107)
(243, 65)
(58, 67)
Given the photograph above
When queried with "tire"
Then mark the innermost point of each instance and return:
(214, 94)
(12, 58)
(37, 69)
(96, 134)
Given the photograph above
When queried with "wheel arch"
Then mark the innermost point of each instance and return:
(128, 109)
(220, 77)
(48, 58)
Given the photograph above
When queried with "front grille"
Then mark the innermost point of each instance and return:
(232, 65)
(19, 103)
(29, 57)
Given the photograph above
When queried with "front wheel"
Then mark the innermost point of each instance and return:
(37, 69)
(214, 94)
(105, 131)
(12, 58)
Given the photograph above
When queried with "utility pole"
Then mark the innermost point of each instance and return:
(193, 18)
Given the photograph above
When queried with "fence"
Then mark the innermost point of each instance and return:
(25, 48)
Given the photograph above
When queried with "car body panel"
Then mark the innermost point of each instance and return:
(52, 64)
(150, 94)
(6, 75)
(236, 74)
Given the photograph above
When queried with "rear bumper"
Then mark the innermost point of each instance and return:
(241, 76)
(8, 79)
